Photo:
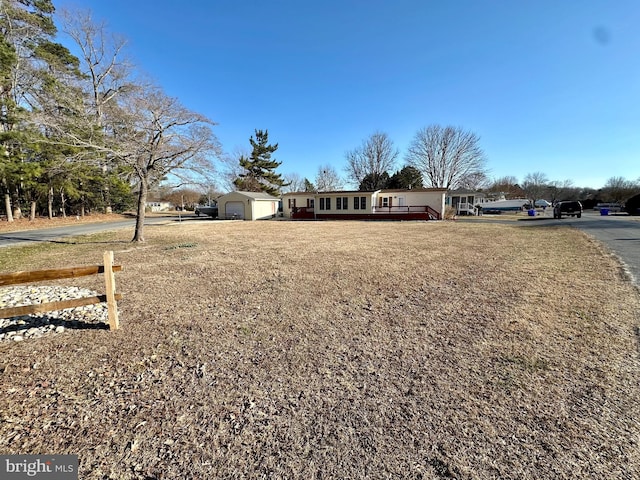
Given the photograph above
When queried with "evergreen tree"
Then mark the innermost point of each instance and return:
(33, 70)
(259, 169)
(308, 186)
(408, 177)
(372, 182)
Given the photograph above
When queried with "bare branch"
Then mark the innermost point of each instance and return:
(446, 156)
(376, 156)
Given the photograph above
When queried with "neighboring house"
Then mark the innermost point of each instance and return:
(465, 201)
(414, 204)
(157, 206)
(247, 206)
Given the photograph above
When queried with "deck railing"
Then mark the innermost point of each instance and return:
(401, 209)
(308, 212)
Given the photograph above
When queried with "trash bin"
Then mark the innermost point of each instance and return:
(532, 212)
(604, 211)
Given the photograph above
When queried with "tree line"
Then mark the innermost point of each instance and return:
(444, 157)
(87, 132)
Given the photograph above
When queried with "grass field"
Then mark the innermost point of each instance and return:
(337, 350)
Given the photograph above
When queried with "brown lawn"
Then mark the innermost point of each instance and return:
(337, 350)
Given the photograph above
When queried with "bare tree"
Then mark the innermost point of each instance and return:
(535, 185)
(108, 72)
(294, 182)
(231, 169)
(446, 156)
(375, 157)
(327, 179)
(507, 186)
(156, 136)
(474, 181)
(560, 190)
(619, 189)
(183, 197)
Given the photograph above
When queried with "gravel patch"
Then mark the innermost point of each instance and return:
(25, 327)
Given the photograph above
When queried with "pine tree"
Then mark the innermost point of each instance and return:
(260, 175)
(308, 186)
(408, 177)
(32, 70)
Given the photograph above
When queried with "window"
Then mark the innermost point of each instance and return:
(345, 203)
(339, 203)
(385, 201)
(322, 203)
(328, 203)
(356, 203)
(363, 203)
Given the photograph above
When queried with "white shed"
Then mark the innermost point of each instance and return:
(247, 206)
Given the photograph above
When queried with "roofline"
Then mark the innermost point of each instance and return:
(254, 195)
(413, 190)
(365, 192)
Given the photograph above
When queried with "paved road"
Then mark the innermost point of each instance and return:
(620, 233)
(57, 234)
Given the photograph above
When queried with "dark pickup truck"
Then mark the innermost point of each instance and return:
(572, 209)
(211, 211)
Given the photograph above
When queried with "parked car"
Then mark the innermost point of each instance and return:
(572, 209)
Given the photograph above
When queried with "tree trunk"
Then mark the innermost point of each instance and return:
(107, 197)
(50, 203)
(142, 202)
(62, 208)
(32, 214)
(7, 206)
(17, 212)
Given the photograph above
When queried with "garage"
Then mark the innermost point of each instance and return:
(248, 205)
(234, 210)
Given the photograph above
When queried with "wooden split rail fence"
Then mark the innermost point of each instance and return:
(110, 297)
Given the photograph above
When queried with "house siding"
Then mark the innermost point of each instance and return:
(420, 204)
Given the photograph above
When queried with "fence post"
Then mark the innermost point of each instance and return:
(110, 282)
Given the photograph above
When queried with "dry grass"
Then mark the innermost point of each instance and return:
(339, 350)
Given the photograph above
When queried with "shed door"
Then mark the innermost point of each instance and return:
(234, 210)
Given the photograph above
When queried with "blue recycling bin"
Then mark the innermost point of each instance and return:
(604, 211)
(532, 212)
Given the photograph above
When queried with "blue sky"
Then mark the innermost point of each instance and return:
(549, 86)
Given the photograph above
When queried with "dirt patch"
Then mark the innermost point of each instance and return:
(339, 350)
